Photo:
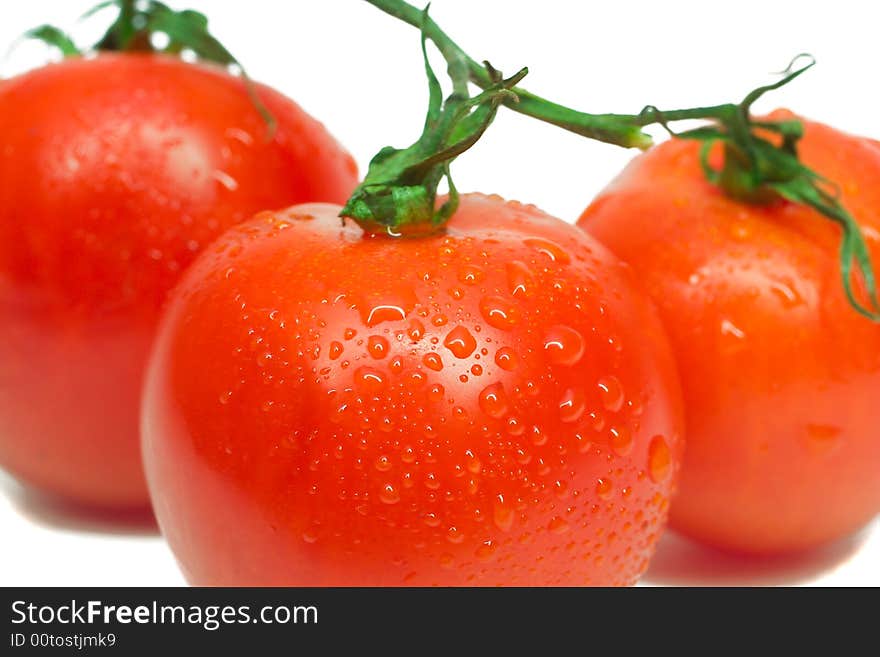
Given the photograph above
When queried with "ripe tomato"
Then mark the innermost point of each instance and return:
(780, 374)
(115, 172)
(492, 405)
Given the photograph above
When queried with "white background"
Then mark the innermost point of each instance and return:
(360, 73)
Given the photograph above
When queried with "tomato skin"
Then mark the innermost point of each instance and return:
(324, 408)
(780, 375)
(115, 172)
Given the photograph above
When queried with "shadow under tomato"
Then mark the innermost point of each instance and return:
(682, 562)
(56, 513)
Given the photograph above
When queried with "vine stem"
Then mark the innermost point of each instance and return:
(618, 129)
(755, 169)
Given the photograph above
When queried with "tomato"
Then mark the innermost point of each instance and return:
(492, 405)
(116, 171)
(780, 375)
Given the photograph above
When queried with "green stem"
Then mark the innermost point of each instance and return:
(756, 169)
(618, 129)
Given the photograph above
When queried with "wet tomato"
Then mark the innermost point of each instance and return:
(780, 374)
(492, 405)
(115, 172)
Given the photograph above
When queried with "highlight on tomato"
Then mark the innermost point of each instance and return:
(117, 170)
(452, 390)
(780, 373)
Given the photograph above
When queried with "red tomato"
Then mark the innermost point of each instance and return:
(115, 172)
(493, 405)
(780, 375)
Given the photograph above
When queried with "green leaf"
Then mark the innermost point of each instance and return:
(52, 36)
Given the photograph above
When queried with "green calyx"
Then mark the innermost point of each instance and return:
(398, 195)
(761, 165)
(133, 30)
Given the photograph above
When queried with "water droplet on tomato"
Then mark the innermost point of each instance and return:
(485, 551)
(499, 312)
(538, 437)
(520, 279)
(563, 345)
(515, 427)
(436, 392)
(416, 330)
(369, 380)
(604, 488)
(558, 525)
(659, 460)
(377, 346)
(470, 274)
(621, 440)
(460, 342)
(493, 401)
(389, 494)
(506, 359)
(454, 535)
(503, 514)
(432, 361)
(382, 463)
(472, 462)
(336, 350)
(572, 405)
(550, 249)
(611, 393)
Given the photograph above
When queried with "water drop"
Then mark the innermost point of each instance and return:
(472, 463)
(558, 525)
(389, 494)
(432, 361)
(506, 359)
(485, 551)
(550, 249)
(520, 279)
(611, 393)
(621, 440)
(499, 312)
(659, 460)
(470, 275)
(454, 535)
(493, 401)
(369, 380)
(377, 346)
(563, 345)
(436, 392)
(572, 405)
(336, 350)
(604, 488)
(502, 514)
(460, 342)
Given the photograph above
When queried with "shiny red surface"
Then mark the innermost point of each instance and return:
(781, 376)
(493, 405)
(116, 171)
